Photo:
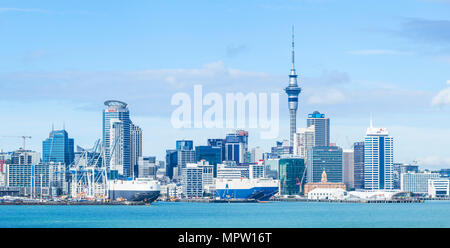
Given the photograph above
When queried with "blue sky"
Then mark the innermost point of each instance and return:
(61, 60)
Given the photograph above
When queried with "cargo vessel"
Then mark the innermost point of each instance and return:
(140, 189)
(260, 189)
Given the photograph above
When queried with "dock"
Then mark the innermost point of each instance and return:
(59, 203)
(349, 200)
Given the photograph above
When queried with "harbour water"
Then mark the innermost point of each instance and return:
(271, 214)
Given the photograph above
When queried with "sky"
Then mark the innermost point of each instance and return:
(60, 60)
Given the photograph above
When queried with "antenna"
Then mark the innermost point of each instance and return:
(293, 53)
(371, 120)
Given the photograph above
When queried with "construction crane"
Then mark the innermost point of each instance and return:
(23, 137)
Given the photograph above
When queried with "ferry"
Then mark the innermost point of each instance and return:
(260, 189)
(140, 189)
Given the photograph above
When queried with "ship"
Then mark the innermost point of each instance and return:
(260, 189)
(140, 189)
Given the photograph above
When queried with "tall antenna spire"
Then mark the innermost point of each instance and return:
(371, 120)
(293, 52)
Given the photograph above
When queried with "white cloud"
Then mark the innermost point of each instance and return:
(19, 10)
(327, 96)
(442, 98)
(434, 162)
(375, 52)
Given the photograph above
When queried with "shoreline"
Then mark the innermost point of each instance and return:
(126, 203)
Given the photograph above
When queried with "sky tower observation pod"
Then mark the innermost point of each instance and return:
(113, 103)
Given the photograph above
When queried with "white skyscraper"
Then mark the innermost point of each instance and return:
(136, 147)
(256, 154)
(116, 145)
(378, 159)
(304, 140)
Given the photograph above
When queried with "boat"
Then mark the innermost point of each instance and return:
(260, 189)
(140, 190)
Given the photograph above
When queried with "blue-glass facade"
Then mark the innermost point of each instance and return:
(58, 148)
(211, 154)
(218, 143)
(328, 158)
(292, 171)
(185, 145)
(171, 162)
(321, 128)
(378, 162)
(236, 147)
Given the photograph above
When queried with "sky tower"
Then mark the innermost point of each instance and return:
(293, 91)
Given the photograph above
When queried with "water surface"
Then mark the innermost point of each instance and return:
(273, 214)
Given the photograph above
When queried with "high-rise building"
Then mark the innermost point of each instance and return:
(58, 148)
(136, 148)
(116, 121)
(211, 154)
(282, 148)
(378, 159)
(185, 155)
(195, 177)
(146, 167)
(31, 178)
(192, 176)
(117, 163)
(185, 145)
(256, 154)
(292, 175)
(321, 128)
(304, 140)
(292, 91)
(171, 162)
(272, 166)
(27, 157)
(236, 147)
(358, 167)
(348, 169)
(218, 143)
(325, 158)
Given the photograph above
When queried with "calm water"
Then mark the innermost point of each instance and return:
(274, 214)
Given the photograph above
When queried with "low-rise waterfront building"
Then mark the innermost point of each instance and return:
(327, 194)
(323, 184)
(416, 182)
(439, 187)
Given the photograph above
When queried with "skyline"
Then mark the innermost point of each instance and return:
(393, 67)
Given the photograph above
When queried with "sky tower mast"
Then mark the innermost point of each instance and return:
(293, 91)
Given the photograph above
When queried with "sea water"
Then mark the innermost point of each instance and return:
(271, 214)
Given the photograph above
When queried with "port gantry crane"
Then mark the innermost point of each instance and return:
(90, 172)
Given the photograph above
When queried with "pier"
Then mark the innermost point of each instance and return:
(58, 203)
(349, 200)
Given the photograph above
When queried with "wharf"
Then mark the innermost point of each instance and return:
(349, 201)
(56, 203)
